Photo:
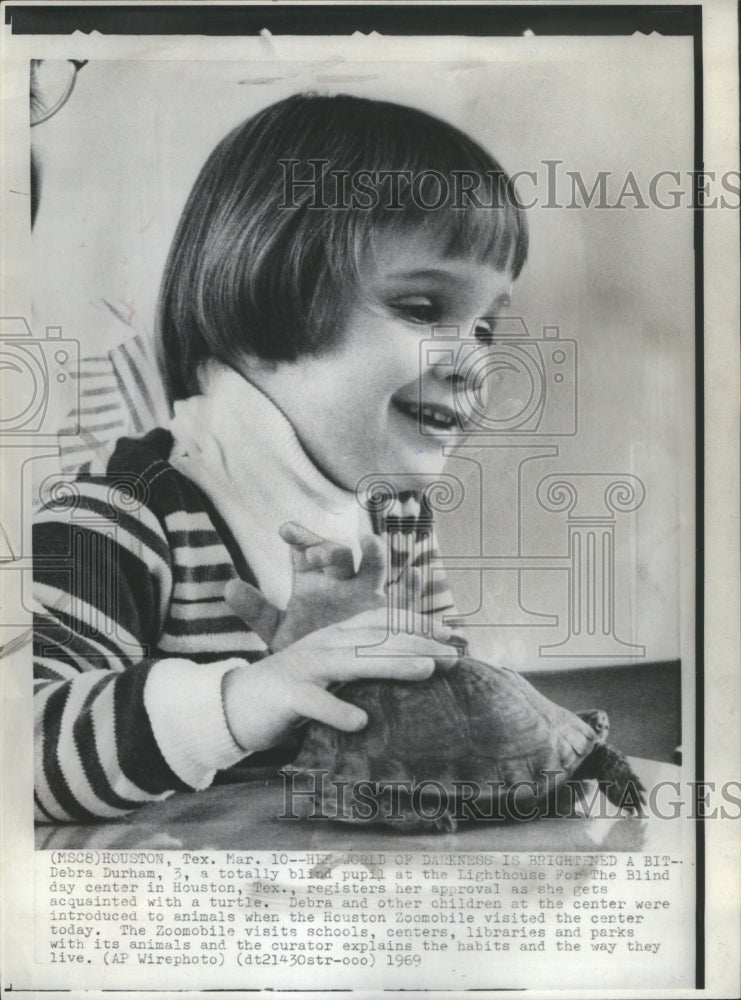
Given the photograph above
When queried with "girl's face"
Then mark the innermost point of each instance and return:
(380, 402)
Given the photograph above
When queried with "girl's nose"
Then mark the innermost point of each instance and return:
(454, 358)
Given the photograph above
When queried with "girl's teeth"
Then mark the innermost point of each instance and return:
(437, 415)
(431, 416)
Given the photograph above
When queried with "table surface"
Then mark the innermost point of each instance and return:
(245, 816)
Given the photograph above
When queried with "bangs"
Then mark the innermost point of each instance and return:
(395, 168)
(491, 235)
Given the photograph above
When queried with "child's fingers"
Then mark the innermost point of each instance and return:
(334, 560)
(301, 541)
(296, 534)
(253, 608)
(373, 561)
(375, 621)
(397, 668)
(315, 703)
(312, 552)
(337, 666)
(366, 655)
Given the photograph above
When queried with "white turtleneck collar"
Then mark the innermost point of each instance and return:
(237, 446)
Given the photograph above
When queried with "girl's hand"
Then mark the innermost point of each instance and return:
(326, 589)
(264, 701)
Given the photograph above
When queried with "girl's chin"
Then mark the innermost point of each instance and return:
(416, 469)
(407, 469)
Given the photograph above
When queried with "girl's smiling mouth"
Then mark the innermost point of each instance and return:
(432, 416)
(438, 417)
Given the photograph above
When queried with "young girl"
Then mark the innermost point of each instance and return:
(323, 239)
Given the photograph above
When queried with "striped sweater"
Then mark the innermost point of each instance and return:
(132, 637)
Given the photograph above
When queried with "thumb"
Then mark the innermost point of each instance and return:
(253, 608)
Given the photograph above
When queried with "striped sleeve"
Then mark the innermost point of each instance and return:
(104, 742)
(412, 542)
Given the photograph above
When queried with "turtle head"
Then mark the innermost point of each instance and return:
(599, 720)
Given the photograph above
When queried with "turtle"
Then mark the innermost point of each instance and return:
(473, 741)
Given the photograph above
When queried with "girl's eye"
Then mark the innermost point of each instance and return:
(484, 330)
(418, 309)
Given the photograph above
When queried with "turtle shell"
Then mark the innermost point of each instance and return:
(474, 722)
